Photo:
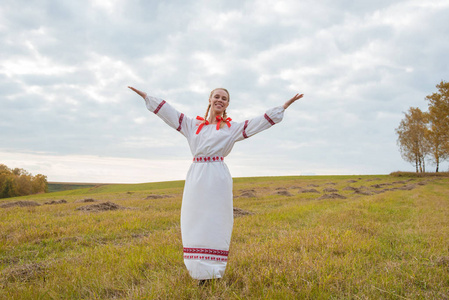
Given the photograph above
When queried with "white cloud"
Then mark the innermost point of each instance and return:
(65, 66)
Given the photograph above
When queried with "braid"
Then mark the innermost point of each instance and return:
(207, 113)
(225, 116)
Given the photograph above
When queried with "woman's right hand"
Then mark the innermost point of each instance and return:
(141, 94)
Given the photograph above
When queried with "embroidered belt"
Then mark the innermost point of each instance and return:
(208, 158)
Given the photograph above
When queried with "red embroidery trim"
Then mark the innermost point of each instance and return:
(159, 106)
(180, 122)
(244, 128)
(208, 158)
(206, 251)
(206, 257)
(201, 124)
(269, 120)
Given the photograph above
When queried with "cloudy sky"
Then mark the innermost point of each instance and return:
(66, 112)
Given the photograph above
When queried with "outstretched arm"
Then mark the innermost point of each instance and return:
(141, 94)
(296, 97)
(166, 112)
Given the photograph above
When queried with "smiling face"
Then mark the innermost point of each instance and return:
(219, 101)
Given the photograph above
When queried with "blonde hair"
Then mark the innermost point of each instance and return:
(225, 115)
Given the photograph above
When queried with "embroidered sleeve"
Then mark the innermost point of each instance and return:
(258, 124)
(167, 113)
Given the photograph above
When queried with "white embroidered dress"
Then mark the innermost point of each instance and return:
(207, 209)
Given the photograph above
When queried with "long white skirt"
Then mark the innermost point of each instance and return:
(207, 219)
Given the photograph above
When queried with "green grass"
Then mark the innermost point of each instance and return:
(389, 245)
(60, 186)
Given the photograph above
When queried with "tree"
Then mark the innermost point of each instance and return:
(40, 184)
(9, 188)
(412, 133)
(18, 182)
(438, 117)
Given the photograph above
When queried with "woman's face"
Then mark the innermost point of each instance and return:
(219, 101)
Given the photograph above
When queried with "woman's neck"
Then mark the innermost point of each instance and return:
(213, 117)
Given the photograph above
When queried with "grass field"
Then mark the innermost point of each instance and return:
(308, 237)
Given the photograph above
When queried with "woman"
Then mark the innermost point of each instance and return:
(207, 210)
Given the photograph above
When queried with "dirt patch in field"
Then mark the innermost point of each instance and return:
(9, 260)
(331, 183)
(24, 273)
(309, 191)
(20, 204)
(104, 206)
(408, 187)
(154, 196)
(62, 201)
(372, 179)
(362, 191)
(442, 261)
(380, 185)
(313, 185)
(330, 190)
(87, 200)
(247, 193)
(332, 196)
(351, 181)
(238, 212)
(282, 193)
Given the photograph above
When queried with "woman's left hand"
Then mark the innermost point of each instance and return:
(296, 97)
(140, 93)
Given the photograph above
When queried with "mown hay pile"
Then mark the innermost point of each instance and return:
(283, 193)
(154, 196)
(62, 201)
(248, 193)
(104, 206)
(238, 212)
(23, 273)
(85, 200)
(309, 191)
(332, 196)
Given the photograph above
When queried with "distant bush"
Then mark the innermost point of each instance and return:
(19, 182)
(423, 174)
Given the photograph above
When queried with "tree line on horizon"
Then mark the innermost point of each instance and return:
(424, 135)
(18, 182)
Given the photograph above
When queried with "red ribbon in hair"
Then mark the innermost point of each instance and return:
(220, 118)
(202, 124)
